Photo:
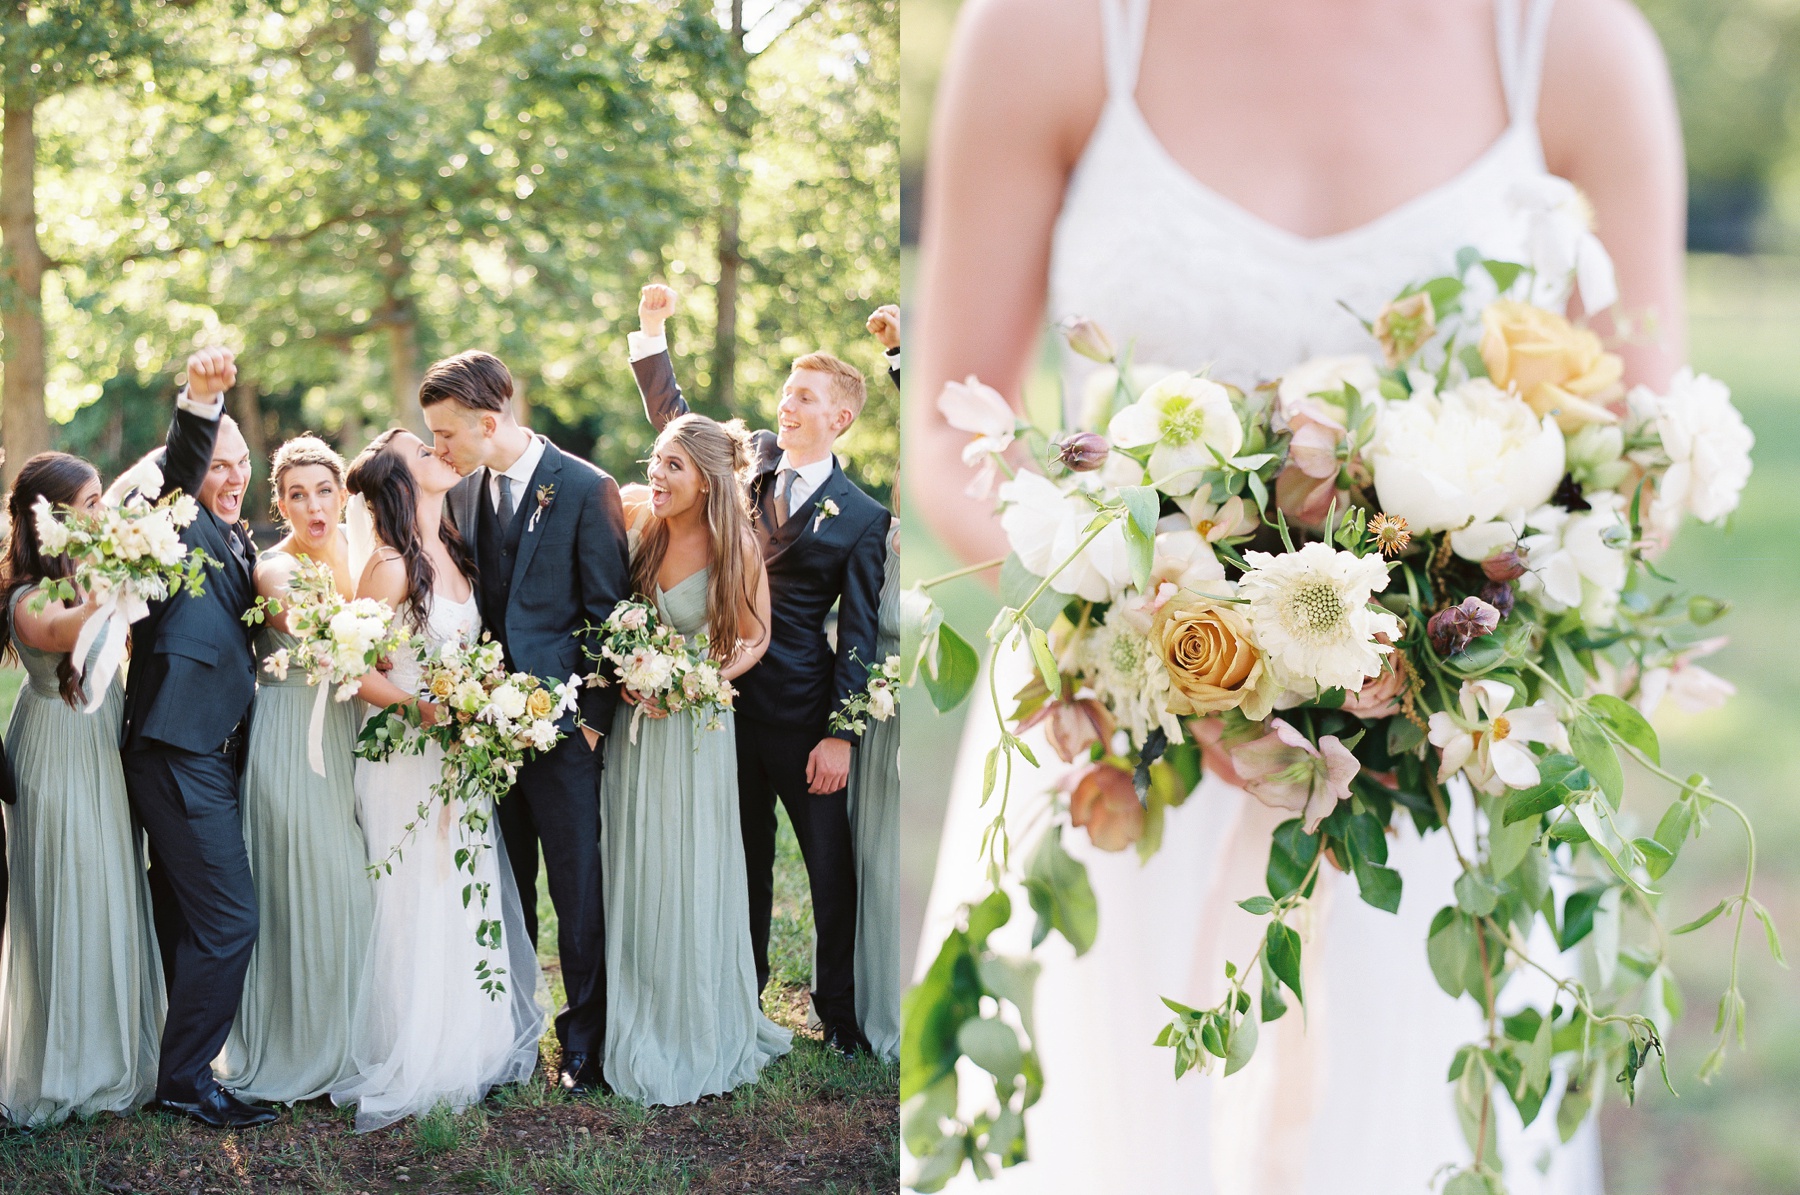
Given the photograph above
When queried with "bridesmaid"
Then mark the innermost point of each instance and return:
(291, 1039)
(682, 1015)
(875, 829)
(81, 989)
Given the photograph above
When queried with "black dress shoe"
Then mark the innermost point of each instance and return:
(847, 1040)
(581, 1075)
(219, 1109)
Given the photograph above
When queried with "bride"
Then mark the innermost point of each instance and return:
(425, 1032)
(1211, 180)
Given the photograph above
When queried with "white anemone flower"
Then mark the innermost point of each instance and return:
(1187, 419)
(1045, 526)
(972, 407)
(1560, 246)
(1708, 448)
(1459, 459)
(1575, 560)
(1488, 742)
(1311, 616)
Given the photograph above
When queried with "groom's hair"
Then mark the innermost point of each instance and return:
(474, 380)
(847, 385)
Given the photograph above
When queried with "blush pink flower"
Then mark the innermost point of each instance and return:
(1072, 727)
(1103, 801)
(1285, 771)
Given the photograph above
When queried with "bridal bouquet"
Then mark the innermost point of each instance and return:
(126, 556)
(340, 641)
(658, 665)
(877, 702)
(1418, 587)
(491, 720)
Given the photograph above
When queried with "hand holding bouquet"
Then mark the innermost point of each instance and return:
(661, 671)
(1381, 589)
(340, 641)
(125, 557)
(876, 702)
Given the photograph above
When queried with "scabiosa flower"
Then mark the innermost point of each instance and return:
(1389, 534)
(1310, 612)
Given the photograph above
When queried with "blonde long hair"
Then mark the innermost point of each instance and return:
(721, 452)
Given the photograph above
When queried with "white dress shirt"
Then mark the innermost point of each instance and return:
(206, 410)
(807, 479)
(520, 471)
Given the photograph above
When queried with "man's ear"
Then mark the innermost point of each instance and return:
(490, 423)
(841, 419)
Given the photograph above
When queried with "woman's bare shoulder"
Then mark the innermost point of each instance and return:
(1606, 85)
(1025, 63)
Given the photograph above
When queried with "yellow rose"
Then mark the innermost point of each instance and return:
(539, 703)
(1205, 645)
(442, 685)
(1557, 368)
(1404, 325)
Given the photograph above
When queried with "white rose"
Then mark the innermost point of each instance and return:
(509, 702)
(1442, 461)
(1045, 525)
(1187, 418)
(1708, 448)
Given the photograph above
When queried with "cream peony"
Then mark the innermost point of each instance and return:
(1446, 461)
(1045, 525)
(1187, 419)
(1310, 613)
(1708, 448)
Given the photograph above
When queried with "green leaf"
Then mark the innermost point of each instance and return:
(994, 911)
(1141, 554)
(1504, 274)
(933, 1011)
(1479, 658)
(1443, 291)
(954, 670)
(1768, 922)
(1559, 776)
(1273, 1006)
(1241, 1045)
(1144, 506)
(1476, 894)
(1627, 723)
(1380, 886)
(1597, 755)
(1508, 842)
(1452, 951)
(1578, 915)
(1291, 855)
(993, 1046)
(1282, 949)
(1257, 906)
(920, 1116)
(1657, 857)
(1061, 895)
(1402, 736)
(1676, 826)
(1015, 981)
(1046, 663)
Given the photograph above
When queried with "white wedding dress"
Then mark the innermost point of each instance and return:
(1352, 1100)
(424, 1032)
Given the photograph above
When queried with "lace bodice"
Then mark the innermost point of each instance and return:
(448, 620)
(1157, 257)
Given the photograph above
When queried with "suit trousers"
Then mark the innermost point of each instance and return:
(771, 763)
(556, 803)
(203, 901)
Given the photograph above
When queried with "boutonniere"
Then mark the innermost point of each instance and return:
(827, 510)
(546, 494)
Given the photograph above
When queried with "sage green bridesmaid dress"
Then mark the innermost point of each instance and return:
(81, 985)
(682, 1013)
(875, 832)
(291, 1039)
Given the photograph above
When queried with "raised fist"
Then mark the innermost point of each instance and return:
(884, 325)
(210, 373)
(656, 303)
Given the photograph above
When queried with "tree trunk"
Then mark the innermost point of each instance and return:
(725, 333)
(244, 401)
(403, 366)
(24, 425)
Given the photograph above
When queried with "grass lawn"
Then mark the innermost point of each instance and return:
(815, 1122)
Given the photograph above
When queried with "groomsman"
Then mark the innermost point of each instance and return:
(187, 705)
(824, 543)
(548, 533)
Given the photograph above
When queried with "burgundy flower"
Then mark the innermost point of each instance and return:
(1453, 629)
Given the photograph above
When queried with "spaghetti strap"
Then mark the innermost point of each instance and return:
(1122, 39)
(1521, 50)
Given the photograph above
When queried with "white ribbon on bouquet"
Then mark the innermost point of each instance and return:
(115, 613)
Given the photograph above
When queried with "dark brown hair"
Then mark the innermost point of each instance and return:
(58, 477)
(474, 380)
(721, 454)
(386, 483)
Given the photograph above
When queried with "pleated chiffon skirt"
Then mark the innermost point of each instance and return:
(81, 985)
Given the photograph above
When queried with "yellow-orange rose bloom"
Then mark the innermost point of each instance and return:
(539, 703)
(442, 685)
(1557, 368)
(1205, 645)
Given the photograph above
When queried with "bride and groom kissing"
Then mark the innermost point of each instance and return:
(659, 863)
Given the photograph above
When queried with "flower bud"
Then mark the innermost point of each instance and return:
(1087, 338)
(1504, 565)
(1404, 326)
(1083, 452)
(1453, 629)
(1499, 595)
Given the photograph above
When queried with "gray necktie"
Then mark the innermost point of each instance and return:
(784, 488)
(506, 502)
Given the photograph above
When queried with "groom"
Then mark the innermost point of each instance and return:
(548, 533)
(187, 706)
(824, 543)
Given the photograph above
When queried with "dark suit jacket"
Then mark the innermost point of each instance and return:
(193, 673)
(570, 569)
(814, 561)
